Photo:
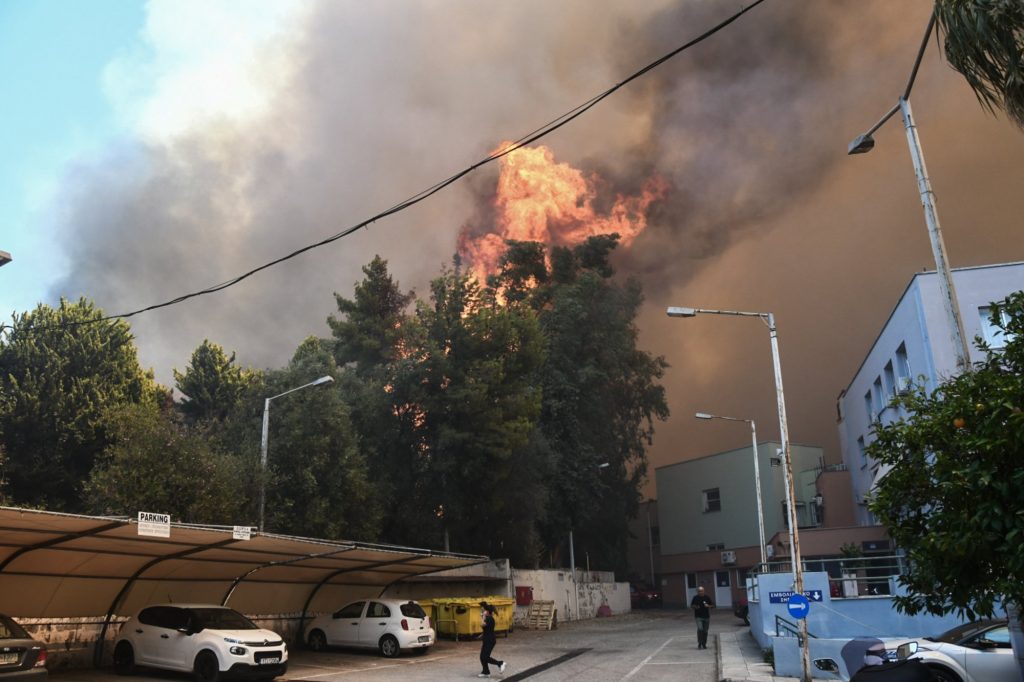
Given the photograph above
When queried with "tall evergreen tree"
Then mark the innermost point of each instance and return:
(601, 395)
(369, 337)
(60, 369)
(212, 384)
(476, 387)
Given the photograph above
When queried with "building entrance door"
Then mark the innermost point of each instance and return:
(723, 590)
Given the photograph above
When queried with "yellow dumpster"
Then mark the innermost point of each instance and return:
(504, 610)
(458, 616)
(428, 606)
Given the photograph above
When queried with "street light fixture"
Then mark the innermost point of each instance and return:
(266, 434)
(794, 534)
(757, 475)
(5, 258)
(865, 143)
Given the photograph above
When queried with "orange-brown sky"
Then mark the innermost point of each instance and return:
(362, 104)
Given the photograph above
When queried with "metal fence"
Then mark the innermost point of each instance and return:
(848, 577)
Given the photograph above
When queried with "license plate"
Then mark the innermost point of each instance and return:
(270, 661)
(6, 659)
(424, 638)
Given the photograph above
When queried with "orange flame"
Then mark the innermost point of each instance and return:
(540, 200)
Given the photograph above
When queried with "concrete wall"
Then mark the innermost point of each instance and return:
(595, 589)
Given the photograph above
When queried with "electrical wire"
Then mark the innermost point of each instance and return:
(424, 194)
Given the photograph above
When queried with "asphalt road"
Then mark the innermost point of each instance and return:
(643, 646)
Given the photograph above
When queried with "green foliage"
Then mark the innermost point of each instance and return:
(154, 463)
(317, 482)
(474, 383)
(60, 369)
(370, 333)
(212, 385)
(984, 41)
(600, 396)
(952, 498)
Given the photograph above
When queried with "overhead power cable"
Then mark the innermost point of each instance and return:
(529, 138)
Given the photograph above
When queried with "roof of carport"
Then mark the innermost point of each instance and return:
(46, 554)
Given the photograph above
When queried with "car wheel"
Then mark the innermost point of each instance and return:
(944, 674)
(388, 646)
(124, 659)
(317, 640)
(206, 669)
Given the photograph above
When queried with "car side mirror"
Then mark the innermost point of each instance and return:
(905, 651)
(826, 665)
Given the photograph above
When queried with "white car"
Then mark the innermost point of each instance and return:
(212, 642)
(388, 625)
(973, 652)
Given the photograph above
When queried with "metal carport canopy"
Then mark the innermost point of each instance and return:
(63, 565)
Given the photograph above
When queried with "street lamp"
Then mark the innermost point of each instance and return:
(865, 143)
(266, 434)
(794, 534)
(5, 258)
(757, 475)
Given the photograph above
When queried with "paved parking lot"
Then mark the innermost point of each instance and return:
(645, 646)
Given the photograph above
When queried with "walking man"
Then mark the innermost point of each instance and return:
(701, 605)
(488, 641)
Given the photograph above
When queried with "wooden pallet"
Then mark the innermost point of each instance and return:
(542, 615)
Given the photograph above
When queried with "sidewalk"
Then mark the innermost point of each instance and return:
(740, 659)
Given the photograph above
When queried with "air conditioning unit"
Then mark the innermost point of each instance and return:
(902, 385)
(769, 551)
(728, 558)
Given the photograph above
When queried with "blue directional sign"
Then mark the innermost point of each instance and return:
(798, 606)
(782, 597)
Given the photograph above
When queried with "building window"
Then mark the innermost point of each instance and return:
(712, 502)
(716, 546)
(902, 363)
(722, 578)
(868, 407)
(890, 381)
(993, 335)
(691, 581)
(862, 451)
(878, 396)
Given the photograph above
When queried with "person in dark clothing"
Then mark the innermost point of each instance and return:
(488, 641)
(702, 605)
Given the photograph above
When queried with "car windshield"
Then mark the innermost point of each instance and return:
(962, 632)
(222, 619)
(413, 610)
(11, 630)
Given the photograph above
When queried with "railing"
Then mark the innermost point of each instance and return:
(788, 628)
(848, 577)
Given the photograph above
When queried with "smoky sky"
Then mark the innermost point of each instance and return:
(766, 211)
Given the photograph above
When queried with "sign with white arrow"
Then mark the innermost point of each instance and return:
(798, 606)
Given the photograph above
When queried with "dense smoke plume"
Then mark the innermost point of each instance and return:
(368, 103)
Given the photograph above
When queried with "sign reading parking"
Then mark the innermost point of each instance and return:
(155, 525)
(783, 597)
(798, 606)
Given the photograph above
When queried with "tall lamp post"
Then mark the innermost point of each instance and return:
(865, 143)
(794, 534)
(266, 434)
(5, 258)
(757, 474)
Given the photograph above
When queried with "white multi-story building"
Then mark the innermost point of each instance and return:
(915, 347)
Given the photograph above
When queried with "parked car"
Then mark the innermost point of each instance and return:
(974, 652)
(387, 625)
(212, 642)
(642, 597)
(21, 657)
(742, 610)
